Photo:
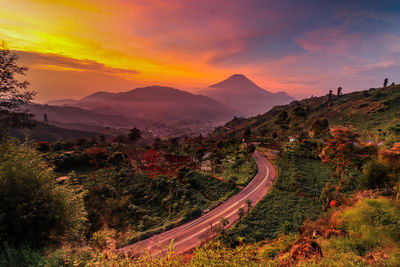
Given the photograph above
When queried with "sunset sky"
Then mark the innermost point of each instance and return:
(74, 47)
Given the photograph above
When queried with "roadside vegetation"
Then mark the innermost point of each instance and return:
(335, 201)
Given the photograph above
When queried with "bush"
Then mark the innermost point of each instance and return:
(42, 146)
(70, 160)
(61, 145)
(115, 158)
(11, 257)
(33, 207)
(375, 175)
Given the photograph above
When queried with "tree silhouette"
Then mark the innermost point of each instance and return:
(339, 91)
(330, 95)
(11, 95)
(385, 82)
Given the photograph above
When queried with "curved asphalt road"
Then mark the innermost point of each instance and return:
(189, 235)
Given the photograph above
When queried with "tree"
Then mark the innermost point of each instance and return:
(224, 223)
(134, 135)
(385, 82)
(13, 93)
(330, 95)
(248, 202)
(339, 91)
(375, 175)
(340, 150)
(158, 143)
(33, 207)
(319, 126)
(282, 118)
(240, 213)
(298, 112)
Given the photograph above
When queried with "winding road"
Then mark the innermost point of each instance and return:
(191, 234)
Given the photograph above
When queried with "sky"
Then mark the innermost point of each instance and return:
(74, 47)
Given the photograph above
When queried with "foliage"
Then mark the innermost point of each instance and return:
(33, 207)
(134, 135)
(13, 93)
(23, 256)
(375, 175)
(320, 126)
(340, 150)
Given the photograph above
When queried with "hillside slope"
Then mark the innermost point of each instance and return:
(374, 113)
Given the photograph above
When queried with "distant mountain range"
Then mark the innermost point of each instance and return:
(241, 94)
(148, 106)
(154, 104)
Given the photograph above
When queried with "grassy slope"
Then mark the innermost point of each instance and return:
(370, 112)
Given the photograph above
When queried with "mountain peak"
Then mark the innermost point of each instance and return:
(241, 93)
(236, 81)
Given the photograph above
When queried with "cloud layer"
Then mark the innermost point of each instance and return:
(302, 47)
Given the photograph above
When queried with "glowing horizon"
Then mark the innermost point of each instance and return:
(76, 47)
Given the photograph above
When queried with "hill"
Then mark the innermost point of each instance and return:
(374, 113)
(240, 93)
(78, 118)
(156, 104)
(51, 133)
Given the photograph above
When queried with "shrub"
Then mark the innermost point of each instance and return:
(24, 256)
(115, 158)
(69, 160)
(61, 145)
(42, 146)
(375, 175)
(33, 207)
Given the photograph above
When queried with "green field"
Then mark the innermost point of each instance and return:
(285, 207)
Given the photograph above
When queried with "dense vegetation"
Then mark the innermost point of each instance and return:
(33, 208)
(334, 203)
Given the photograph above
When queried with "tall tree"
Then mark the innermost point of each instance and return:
(339, 91)
(13, 93)
(340, 150)
(385, 82)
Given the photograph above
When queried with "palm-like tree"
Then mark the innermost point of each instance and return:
(248, 202)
